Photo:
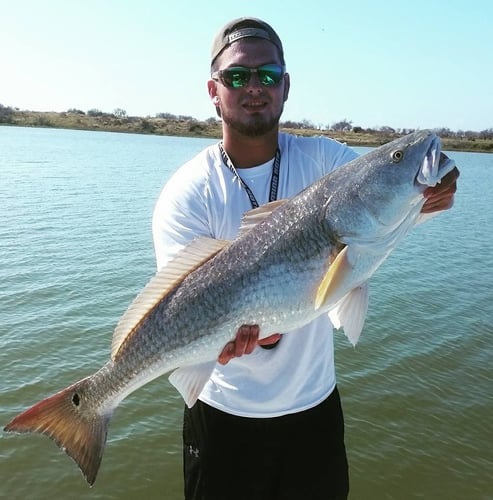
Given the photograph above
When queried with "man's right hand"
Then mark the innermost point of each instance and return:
(245, 342)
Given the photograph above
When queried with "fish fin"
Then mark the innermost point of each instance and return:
(421, 218)
(257, 215)
(190, 258)
(190, 380)
(333, 277)
(350, 312)
(65, 418)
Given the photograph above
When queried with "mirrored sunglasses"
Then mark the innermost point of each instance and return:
(236, 77)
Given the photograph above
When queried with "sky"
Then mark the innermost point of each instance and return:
(401, 64)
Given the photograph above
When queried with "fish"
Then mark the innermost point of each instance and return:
(292, 261)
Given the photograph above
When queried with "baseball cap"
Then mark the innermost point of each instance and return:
(244, 27)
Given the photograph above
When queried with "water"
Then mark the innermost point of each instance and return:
(76, 247)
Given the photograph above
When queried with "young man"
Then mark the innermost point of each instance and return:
(268, 425)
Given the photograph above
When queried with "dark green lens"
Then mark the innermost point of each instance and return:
(270, 74)
(239, 76)
(236, 77)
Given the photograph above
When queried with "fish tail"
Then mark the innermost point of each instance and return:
(69, 419)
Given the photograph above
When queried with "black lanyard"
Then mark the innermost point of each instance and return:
(274, 182)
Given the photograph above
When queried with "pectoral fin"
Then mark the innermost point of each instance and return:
(338, 270)
(350, 312)
(190, 380)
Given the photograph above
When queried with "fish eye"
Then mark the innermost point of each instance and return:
(397, 156)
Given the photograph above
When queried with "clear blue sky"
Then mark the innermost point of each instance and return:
(404, 64)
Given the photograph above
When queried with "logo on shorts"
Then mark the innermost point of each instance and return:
(193, 451)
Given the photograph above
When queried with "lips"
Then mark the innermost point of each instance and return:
(254, 105)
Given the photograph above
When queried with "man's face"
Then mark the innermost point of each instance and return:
(254, 109)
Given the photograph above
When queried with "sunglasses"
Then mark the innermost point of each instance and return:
(236, 77)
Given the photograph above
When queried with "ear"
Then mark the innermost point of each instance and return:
(212, 89)
(287, 84)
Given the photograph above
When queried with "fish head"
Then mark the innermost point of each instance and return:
(371, 203)
(384, 188)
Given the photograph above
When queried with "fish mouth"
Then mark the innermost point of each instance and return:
(436, 165)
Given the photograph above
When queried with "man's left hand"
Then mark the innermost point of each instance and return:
(441, 196)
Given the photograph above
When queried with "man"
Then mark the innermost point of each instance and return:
(268, 425)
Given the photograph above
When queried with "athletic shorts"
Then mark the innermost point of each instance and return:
(300, 456)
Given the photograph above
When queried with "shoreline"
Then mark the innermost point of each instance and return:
(211, 128)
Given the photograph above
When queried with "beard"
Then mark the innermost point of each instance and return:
(257, 125)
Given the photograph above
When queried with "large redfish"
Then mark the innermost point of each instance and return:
(292, 261)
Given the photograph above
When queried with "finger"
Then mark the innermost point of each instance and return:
(437, 204)
(227, 353)
(448, 182)
(246, 339)
(252, 339)
(440, 192)
(271, 339)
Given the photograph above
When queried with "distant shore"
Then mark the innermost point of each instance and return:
(211, 128)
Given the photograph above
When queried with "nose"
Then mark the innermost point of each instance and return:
(254, 84)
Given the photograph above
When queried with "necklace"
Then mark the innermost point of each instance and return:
(274, 182)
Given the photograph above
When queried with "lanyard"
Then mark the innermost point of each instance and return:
(274, 182)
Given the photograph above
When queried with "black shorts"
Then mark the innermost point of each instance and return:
(296, 456)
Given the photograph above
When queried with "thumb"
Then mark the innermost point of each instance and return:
(271, 339)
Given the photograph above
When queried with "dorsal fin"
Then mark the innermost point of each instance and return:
(190, 258)
(257, 215)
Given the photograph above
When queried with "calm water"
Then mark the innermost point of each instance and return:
(75, 248)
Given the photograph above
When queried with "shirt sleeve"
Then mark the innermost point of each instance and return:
(180, 215)
(335, 154)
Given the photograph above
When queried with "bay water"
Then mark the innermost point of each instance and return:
(76, 247)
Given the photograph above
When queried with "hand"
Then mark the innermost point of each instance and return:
(245, 342)
(441, 196)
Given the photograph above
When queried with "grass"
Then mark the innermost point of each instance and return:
(190, 127)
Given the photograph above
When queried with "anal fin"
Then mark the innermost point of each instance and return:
(350, 313)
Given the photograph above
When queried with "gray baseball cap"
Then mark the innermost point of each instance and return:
(244, 27)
